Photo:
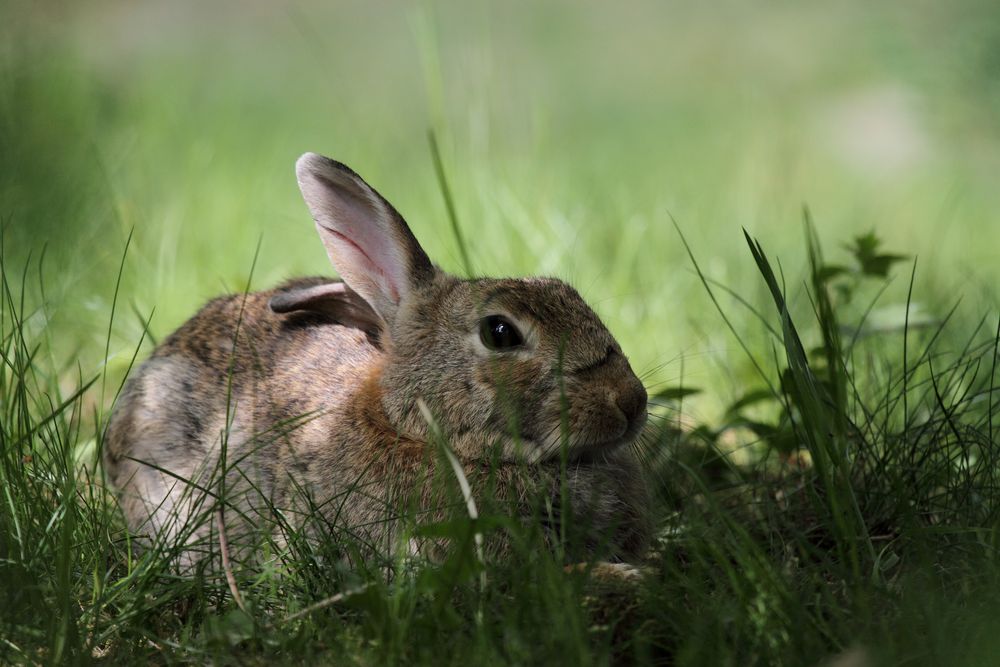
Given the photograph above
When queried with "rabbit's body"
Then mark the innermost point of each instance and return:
(315, 397)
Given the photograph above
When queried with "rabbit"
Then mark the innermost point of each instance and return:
(330, 391)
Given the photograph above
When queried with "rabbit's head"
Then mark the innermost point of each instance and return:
(523, 364)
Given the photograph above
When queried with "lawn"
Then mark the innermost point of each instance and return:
(825, 464)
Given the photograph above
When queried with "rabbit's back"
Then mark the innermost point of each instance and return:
(240, 390)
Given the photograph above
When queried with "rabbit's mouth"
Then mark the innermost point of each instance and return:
(583, 447)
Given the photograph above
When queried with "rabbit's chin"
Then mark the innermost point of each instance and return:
(577, 450)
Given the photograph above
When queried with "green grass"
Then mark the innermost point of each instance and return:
(835, 488)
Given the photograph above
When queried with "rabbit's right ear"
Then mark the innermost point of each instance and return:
(367, 240)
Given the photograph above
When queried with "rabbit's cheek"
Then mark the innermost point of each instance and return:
(507, 373)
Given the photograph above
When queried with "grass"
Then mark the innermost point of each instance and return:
(834, 490)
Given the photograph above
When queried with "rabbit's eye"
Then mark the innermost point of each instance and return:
(499, 333)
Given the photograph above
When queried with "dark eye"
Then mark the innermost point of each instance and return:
(499, 333)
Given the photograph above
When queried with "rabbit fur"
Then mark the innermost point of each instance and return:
(311, 390)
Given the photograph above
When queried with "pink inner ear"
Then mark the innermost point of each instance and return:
(359, 223)
(372, 265)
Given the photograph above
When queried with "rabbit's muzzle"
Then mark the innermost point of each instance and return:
(605, 409)
(626, 411)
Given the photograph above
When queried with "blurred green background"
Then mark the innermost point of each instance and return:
(572, 132)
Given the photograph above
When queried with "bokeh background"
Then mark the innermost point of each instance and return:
(574, 134)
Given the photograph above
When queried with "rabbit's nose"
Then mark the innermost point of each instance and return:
(631, 400)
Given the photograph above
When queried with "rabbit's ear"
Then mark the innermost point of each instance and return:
(334, 300)
(367, 240)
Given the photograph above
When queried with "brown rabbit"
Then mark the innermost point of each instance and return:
(312, 391)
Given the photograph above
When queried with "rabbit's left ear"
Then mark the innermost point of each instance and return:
(334, 300)
(368, 242)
